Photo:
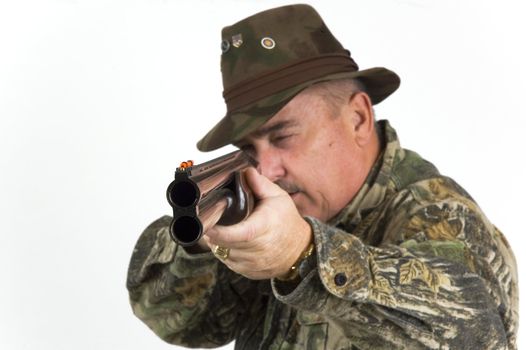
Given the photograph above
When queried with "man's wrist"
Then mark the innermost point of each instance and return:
(294, 271)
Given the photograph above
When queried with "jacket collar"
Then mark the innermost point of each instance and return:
(377, 184)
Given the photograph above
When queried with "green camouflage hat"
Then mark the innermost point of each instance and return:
(270, 57)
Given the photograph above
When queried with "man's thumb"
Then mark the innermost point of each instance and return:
(260, 185)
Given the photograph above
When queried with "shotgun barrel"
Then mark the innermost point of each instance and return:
(214, 192)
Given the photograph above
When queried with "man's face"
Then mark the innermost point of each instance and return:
(312, 154)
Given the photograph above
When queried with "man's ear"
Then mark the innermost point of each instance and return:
(362, 117)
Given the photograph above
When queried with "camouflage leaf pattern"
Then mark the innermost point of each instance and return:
(410, 263)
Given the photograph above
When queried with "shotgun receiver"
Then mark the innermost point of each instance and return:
(209, 193)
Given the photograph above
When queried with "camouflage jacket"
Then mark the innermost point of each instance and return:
(410, 263)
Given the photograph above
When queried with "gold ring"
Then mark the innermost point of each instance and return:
(221, 253)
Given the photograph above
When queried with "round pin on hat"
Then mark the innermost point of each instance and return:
(268, 43)
(225, 46)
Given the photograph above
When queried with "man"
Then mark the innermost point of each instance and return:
(355, 243)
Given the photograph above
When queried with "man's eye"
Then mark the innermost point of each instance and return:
(281, 139)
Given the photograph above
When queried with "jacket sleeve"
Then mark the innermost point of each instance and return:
(189, 300)
(442, 282)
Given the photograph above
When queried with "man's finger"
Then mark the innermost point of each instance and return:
(230, 235)
(228, 244)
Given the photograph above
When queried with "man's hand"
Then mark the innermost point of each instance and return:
(270, 240)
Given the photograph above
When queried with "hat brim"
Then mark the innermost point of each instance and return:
(379, 83)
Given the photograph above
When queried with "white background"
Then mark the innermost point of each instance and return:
(100, 101)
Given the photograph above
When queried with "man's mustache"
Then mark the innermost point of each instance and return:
(289, 187)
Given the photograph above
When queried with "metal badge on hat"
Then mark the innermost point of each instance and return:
(237, 40)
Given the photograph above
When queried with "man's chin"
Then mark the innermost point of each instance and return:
(303, 208)
(296, 198)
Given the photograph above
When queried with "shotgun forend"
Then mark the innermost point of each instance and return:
(209, 193)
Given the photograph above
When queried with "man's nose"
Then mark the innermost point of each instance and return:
(270, 165)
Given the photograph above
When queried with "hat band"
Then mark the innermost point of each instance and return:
(285, 77)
